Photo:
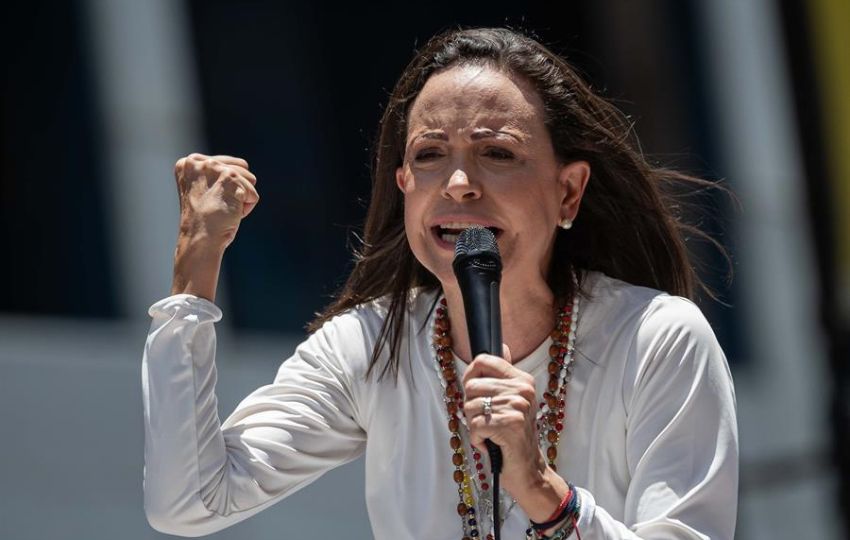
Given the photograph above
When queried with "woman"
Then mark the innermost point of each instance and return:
(612, 402)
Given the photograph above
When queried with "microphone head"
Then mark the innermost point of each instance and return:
(477, 244)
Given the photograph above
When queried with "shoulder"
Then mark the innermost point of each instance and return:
(668, 344)
(369, 317)
(639, 330)
(656, 347)
(640, 312)
(352, 335)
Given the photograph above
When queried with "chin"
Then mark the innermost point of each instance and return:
(439, 265)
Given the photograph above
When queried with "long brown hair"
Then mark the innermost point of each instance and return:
(628, 227)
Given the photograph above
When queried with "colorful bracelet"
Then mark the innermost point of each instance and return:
(562, 533)
(568, 518)
(560, 513)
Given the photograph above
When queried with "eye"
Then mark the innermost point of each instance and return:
(427, 154)
(498, 153)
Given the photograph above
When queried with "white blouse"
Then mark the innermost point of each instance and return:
(650, 437)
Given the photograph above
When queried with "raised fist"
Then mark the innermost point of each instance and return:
(216, 192)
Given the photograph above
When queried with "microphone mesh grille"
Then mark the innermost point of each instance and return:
(476, 241)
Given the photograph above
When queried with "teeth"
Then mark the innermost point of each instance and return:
(459, 225)
(454, 226)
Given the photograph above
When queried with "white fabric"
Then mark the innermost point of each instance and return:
(650, 438)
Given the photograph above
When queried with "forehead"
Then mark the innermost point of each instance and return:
(476, 96)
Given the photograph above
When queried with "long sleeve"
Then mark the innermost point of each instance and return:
(202, 476)
(681, 434)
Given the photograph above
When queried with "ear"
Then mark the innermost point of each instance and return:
(573, 179)
(399, 178)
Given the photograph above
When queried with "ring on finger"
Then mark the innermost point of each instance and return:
(488, 406)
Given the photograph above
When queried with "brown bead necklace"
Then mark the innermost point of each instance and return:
(550, 416)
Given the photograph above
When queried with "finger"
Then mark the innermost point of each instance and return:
(242, 171)
(230, 160)
(486, 365)
(228, 169)
(477, 441)
(238, 192)
(506, 353)
(227, 173)
(475, 407)
(221, 158)
(485, 386)
(520, 399)
(244, 191)
(248, 207)
(480, 429)
(178, 167)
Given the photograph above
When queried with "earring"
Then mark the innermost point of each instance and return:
(565, 223)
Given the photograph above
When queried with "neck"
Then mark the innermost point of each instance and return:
(528, 317)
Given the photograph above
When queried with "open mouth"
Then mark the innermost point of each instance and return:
(448, 232)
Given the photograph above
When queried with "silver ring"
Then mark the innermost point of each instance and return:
(488, 406)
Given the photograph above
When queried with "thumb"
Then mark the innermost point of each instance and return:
(506, 353)
(247, 208)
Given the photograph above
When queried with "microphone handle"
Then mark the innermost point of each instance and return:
(480, 290)
(495, 348)
(484, 324)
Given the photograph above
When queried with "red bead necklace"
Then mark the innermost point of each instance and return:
(550, 417)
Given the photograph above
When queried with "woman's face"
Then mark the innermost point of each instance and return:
(478, 152)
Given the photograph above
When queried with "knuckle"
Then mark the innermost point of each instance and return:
(521, 404)
(517, 420)
(527, 392)
(195, 156)
(511, 414)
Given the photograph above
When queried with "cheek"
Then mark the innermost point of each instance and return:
(534, 217)
(543, 202)
(414, 227)
(534, 208)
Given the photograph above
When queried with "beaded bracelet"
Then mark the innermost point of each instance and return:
(570, 523)
(562, 533)
(560, 513)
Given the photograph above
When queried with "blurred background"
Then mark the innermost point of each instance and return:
(101, 97)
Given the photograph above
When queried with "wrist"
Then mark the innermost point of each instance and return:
(560, 524)
(196, 238)
(197, 263)
(542, 495)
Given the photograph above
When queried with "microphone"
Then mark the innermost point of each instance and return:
(478, 269)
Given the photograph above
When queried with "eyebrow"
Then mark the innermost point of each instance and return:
(486, 133)
(477, 135)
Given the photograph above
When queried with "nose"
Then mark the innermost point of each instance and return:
(460, 188)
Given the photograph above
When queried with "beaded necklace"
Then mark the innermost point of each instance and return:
(550, 416)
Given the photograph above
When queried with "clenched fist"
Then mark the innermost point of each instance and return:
(216, 192)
